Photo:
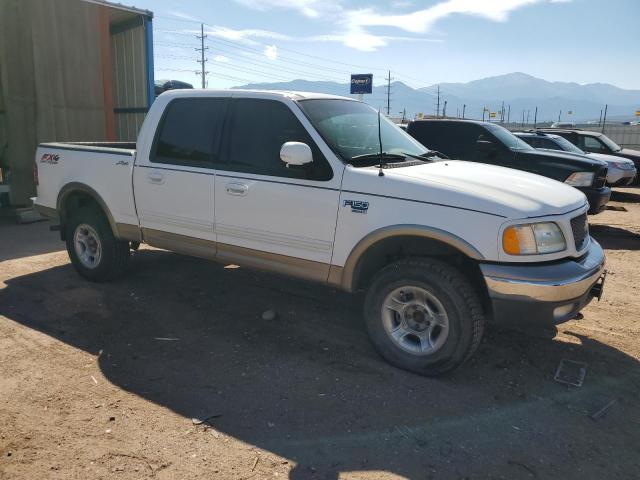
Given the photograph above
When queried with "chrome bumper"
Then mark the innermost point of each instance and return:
(547, 293)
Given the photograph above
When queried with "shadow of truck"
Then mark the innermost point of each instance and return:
(309, 387)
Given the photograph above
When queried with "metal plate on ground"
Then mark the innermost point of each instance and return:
(571, 372)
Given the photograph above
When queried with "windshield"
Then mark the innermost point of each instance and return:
(567, 146)
(508, 138)
(610, 143)
(351, 129)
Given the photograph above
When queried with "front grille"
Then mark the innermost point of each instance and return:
(600, 178)
(580, 229)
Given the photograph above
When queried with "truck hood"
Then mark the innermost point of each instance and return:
(475, 186)
(582, 162)
(629, 153)
(610, 158)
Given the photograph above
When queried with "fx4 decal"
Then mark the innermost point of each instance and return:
(357, 206)
(50, 158)
(122, 162)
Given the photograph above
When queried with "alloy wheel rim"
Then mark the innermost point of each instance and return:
(87, 245)
(415, 320)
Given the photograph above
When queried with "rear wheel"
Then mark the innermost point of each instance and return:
(94, 251)
(424, 316)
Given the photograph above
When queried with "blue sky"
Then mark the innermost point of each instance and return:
(421, 42)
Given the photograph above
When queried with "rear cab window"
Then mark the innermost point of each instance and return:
(190, 132)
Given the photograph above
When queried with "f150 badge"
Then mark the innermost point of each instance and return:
(357, 206)
(50, 158)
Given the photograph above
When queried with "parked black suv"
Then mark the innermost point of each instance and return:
(490, 143)
(596, 142)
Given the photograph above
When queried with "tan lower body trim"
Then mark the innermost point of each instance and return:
(196, 247)
(335, 277)
(124, 231)
(272, 262)
(245, 257)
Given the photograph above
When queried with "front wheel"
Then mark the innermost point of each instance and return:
(94, 251)
(424, 316)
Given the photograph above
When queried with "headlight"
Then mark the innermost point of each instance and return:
(580, 179)
(533, 238)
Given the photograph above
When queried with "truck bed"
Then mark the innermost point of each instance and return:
(104, 169)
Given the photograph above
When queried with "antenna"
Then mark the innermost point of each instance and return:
(380, 172)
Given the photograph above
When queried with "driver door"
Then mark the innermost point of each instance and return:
(265, 213)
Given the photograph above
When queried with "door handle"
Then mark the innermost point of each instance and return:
(239, 189)
(156, 177)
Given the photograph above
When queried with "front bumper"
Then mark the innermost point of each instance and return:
(597, 197)
(546, 294)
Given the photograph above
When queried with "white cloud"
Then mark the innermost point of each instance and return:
(308, 8)
(421, 21)
(221, 58)
(244, 35)
(359, 39)
(271, 52)
(355, 25)
(182, 15)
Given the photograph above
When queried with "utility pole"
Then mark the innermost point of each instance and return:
(484, 109)
(604, 119)
(522, 118)
(438, 103)
(509, 114)
(389, 94)
(502, 113)
(600, 119)
(559, 115)
(202, 60)
(404, 114)
(528, 116)
(444, 109)
(464, 108)
(457, 112)
(535, 118)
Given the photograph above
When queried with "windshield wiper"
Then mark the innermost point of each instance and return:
(373, 156)
(434, 153)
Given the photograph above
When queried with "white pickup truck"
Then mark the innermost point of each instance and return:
(321, 188)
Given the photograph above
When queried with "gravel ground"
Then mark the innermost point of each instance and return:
(172, 372)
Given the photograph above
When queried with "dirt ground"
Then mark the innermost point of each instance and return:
(104, 381)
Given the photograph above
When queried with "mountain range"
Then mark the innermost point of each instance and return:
(521, 94)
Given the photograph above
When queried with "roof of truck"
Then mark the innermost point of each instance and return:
(579, 131)
(294, 95)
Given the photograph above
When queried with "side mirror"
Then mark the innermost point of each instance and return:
(296, 153)
(485, 146)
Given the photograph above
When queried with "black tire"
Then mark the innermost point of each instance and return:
(454, 292)
(114, 253)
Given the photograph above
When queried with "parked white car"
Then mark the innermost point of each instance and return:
(295, 183)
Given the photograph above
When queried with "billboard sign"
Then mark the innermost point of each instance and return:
(361, 83)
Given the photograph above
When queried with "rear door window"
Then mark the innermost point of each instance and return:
(190, 132)
(255, 133)
(547, 143)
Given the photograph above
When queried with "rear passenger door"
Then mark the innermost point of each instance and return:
(174, 185)
(267, 214)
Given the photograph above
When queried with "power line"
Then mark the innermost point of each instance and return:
(269, 65)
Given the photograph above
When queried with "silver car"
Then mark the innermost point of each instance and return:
(620, 173)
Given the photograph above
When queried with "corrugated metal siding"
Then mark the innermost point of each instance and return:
(130, 80)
